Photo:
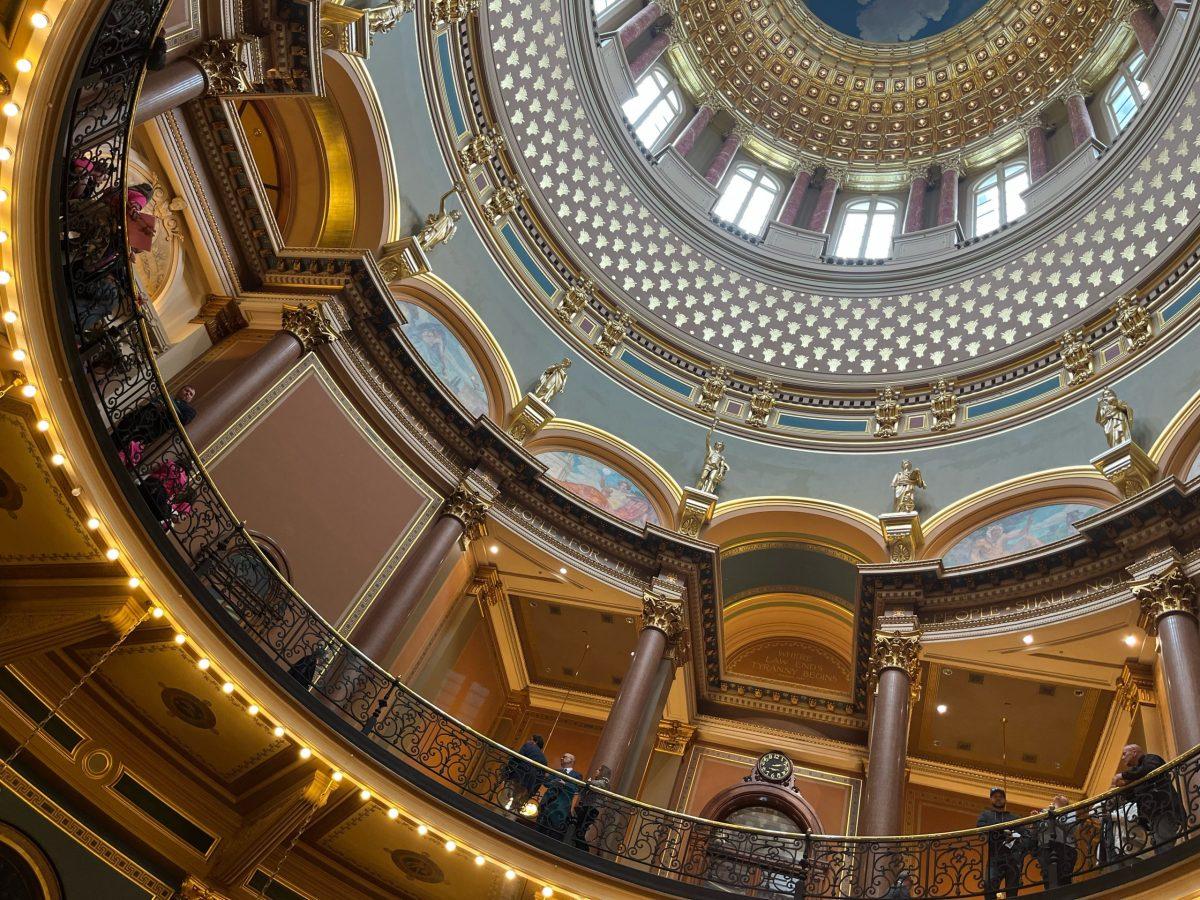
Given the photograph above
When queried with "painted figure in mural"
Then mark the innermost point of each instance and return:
(553, 380)
(1115, 417)
(591, 480)
(441, 225)
(715, 467)
(904, 487)
(446, 356)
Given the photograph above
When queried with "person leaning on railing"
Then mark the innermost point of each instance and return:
(554, 808)
(1056, 839)
(588, 809)
(520, 780)
(1158, 808)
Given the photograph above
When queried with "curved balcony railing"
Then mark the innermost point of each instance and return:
(1107, 839)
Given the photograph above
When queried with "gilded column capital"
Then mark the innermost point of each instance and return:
(1034, 118)
(470, 508)
(836, 174)
(916, 173)
(1171, 591)
(896, 650)
(664, 614)
(225, 71)
(743, 131)
(714, 100)
(1073, 86)
(673, 737)
(306, 324)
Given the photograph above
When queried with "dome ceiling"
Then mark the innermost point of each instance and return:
(825, 95)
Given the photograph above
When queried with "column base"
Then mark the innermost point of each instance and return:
(1128, 467)
(1064, 177)
(695, 509)
(529, 416)
(402, 259)
(902, 535)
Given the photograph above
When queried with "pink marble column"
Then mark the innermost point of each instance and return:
(918, 184)
(1082, 129)
(695, 126)
(1039, 151)
(948, 198)
(720, 164)
(650, 55)
(795, 197)
(819, 220)
(639, 23)
(1164, 6)
(1145, 28)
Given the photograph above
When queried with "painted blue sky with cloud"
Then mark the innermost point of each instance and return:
(891, 21)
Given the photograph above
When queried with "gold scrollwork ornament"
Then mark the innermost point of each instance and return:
(574, 299)
(896, 650)
(306, 324)
(503, 201)
(225, 72)
(448, 12)
(887, 413)
(762, 402)
(1077, 357)
(466, 505)
(663, 614)
(1135, 323)
(481, 148)
(712, 389)
(943, 406)
(612, 333)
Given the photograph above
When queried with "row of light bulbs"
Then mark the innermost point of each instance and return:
(28, 389)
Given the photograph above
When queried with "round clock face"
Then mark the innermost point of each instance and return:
(774, 766)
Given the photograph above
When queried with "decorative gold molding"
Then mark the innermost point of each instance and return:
(1135, 687)
(225, 71)
(664, 614)
(673, 737)
(306, 324)
(1167, 592)
(896, 650)
(470, 508)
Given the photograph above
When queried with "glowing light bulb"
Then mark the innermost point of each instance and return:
(364, 794)
(510, 874)
(134, 582)
(180, 638)
(1027, 640)
(5, 154)
(494, 549)
(40, 20)
(422, 830)
(9, 317)
(227, 687)
(278, 731)
(10, 109)
(157, 612)
(57, 459)
(202, 664)
(547, 891)
(393, 813)
(479, 860)
(252, 709)
(942, 708)
(18, 355)
(451, 846)
(305, 753)
(5, 278)
(24, 65)
(1130, 640)
(112, 554)
(44, 426)
(29, 391)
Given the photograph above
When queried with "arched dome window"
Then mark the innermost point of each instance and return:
(996, 199)
(866, 228)
(603, 6)
(1126, 93)
(747, 198)
(654, 108)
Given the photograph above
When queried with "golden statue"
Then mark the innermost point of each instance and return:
(904, 487)
(441, 225)
(553, 380)
(1115, 417)
(715, 467)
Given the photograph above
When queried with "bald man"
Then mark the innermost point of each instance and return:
(1159, 809)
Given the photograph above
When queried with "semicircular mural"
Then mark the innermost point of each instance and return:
(1018, 532)
(600, 485)
(444, 353)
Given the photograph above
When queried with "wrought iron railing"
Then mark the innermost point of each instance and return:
(103, 325)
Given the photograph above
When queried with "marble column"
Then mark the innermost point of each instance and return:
(948, 195)
(725, 153)
(1034, 127)
(1168, 605)
(686, 140)
(639, 23)
(662, 625)
(795, 195)
(642, 743)
(1082, 129)
(303, 330)
(1145, 27)
(819, 220)
(918, 184)
(381, 630)
(648, 57)
(1164, 6)
(895, 669)
(168, 88)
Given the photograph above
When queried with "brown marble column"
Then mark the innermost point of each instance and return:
(819, 220)
(381, 630)
(725, 153)
(648, 57)
(918, 184)
(1035, 140)
(948, 196)
(1164, 6)
(662, 624)
(1168, 603)
(1080, 120)
(168, 88)
(642, 743)
(303, 330)
(1145, 27)
(795, 195)
(695, 127)
(895, 669)
(639, 23)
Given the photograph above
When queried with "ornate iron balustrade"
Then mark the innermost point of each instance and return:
(1109, 837)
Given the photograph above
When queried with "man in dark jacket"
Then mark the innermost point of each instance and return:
(1006, 848)
(1159, 809)
(554, 807)
(521, 780)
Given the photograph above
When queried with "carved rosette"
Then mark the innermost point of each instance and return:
(897, 650)
(712, 390)
(887, 413)
(1135, 323)
(900, 548)
(762, 401)
(944, 406)
(673, 737)
(663, 614)
(225, 72)
(1171, 591)
(306, 324)
(466, 505)
(574, 299)
(1076, 357)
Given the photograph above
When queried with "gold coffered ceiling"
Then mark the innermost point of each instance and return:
(838, 98)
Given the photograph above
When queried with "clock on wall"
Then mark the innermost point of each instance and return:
(774, 767)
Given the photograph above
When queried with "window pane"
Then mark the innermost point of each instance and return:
(987, 207)
(1014, 206)
(655, 122)
(730, 204)
(1122, 103)
(854, 227)
(601, 6)
(879, 241)
(755, 214)
(647, 90)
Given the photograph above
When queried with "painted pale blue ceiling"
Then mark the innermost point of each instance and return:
(893, 21)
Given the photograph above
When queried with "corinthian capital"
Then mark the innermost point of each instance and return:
(306, 324)
(896, 650)
(1170, 591)
(663, 614)
(466, 505)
